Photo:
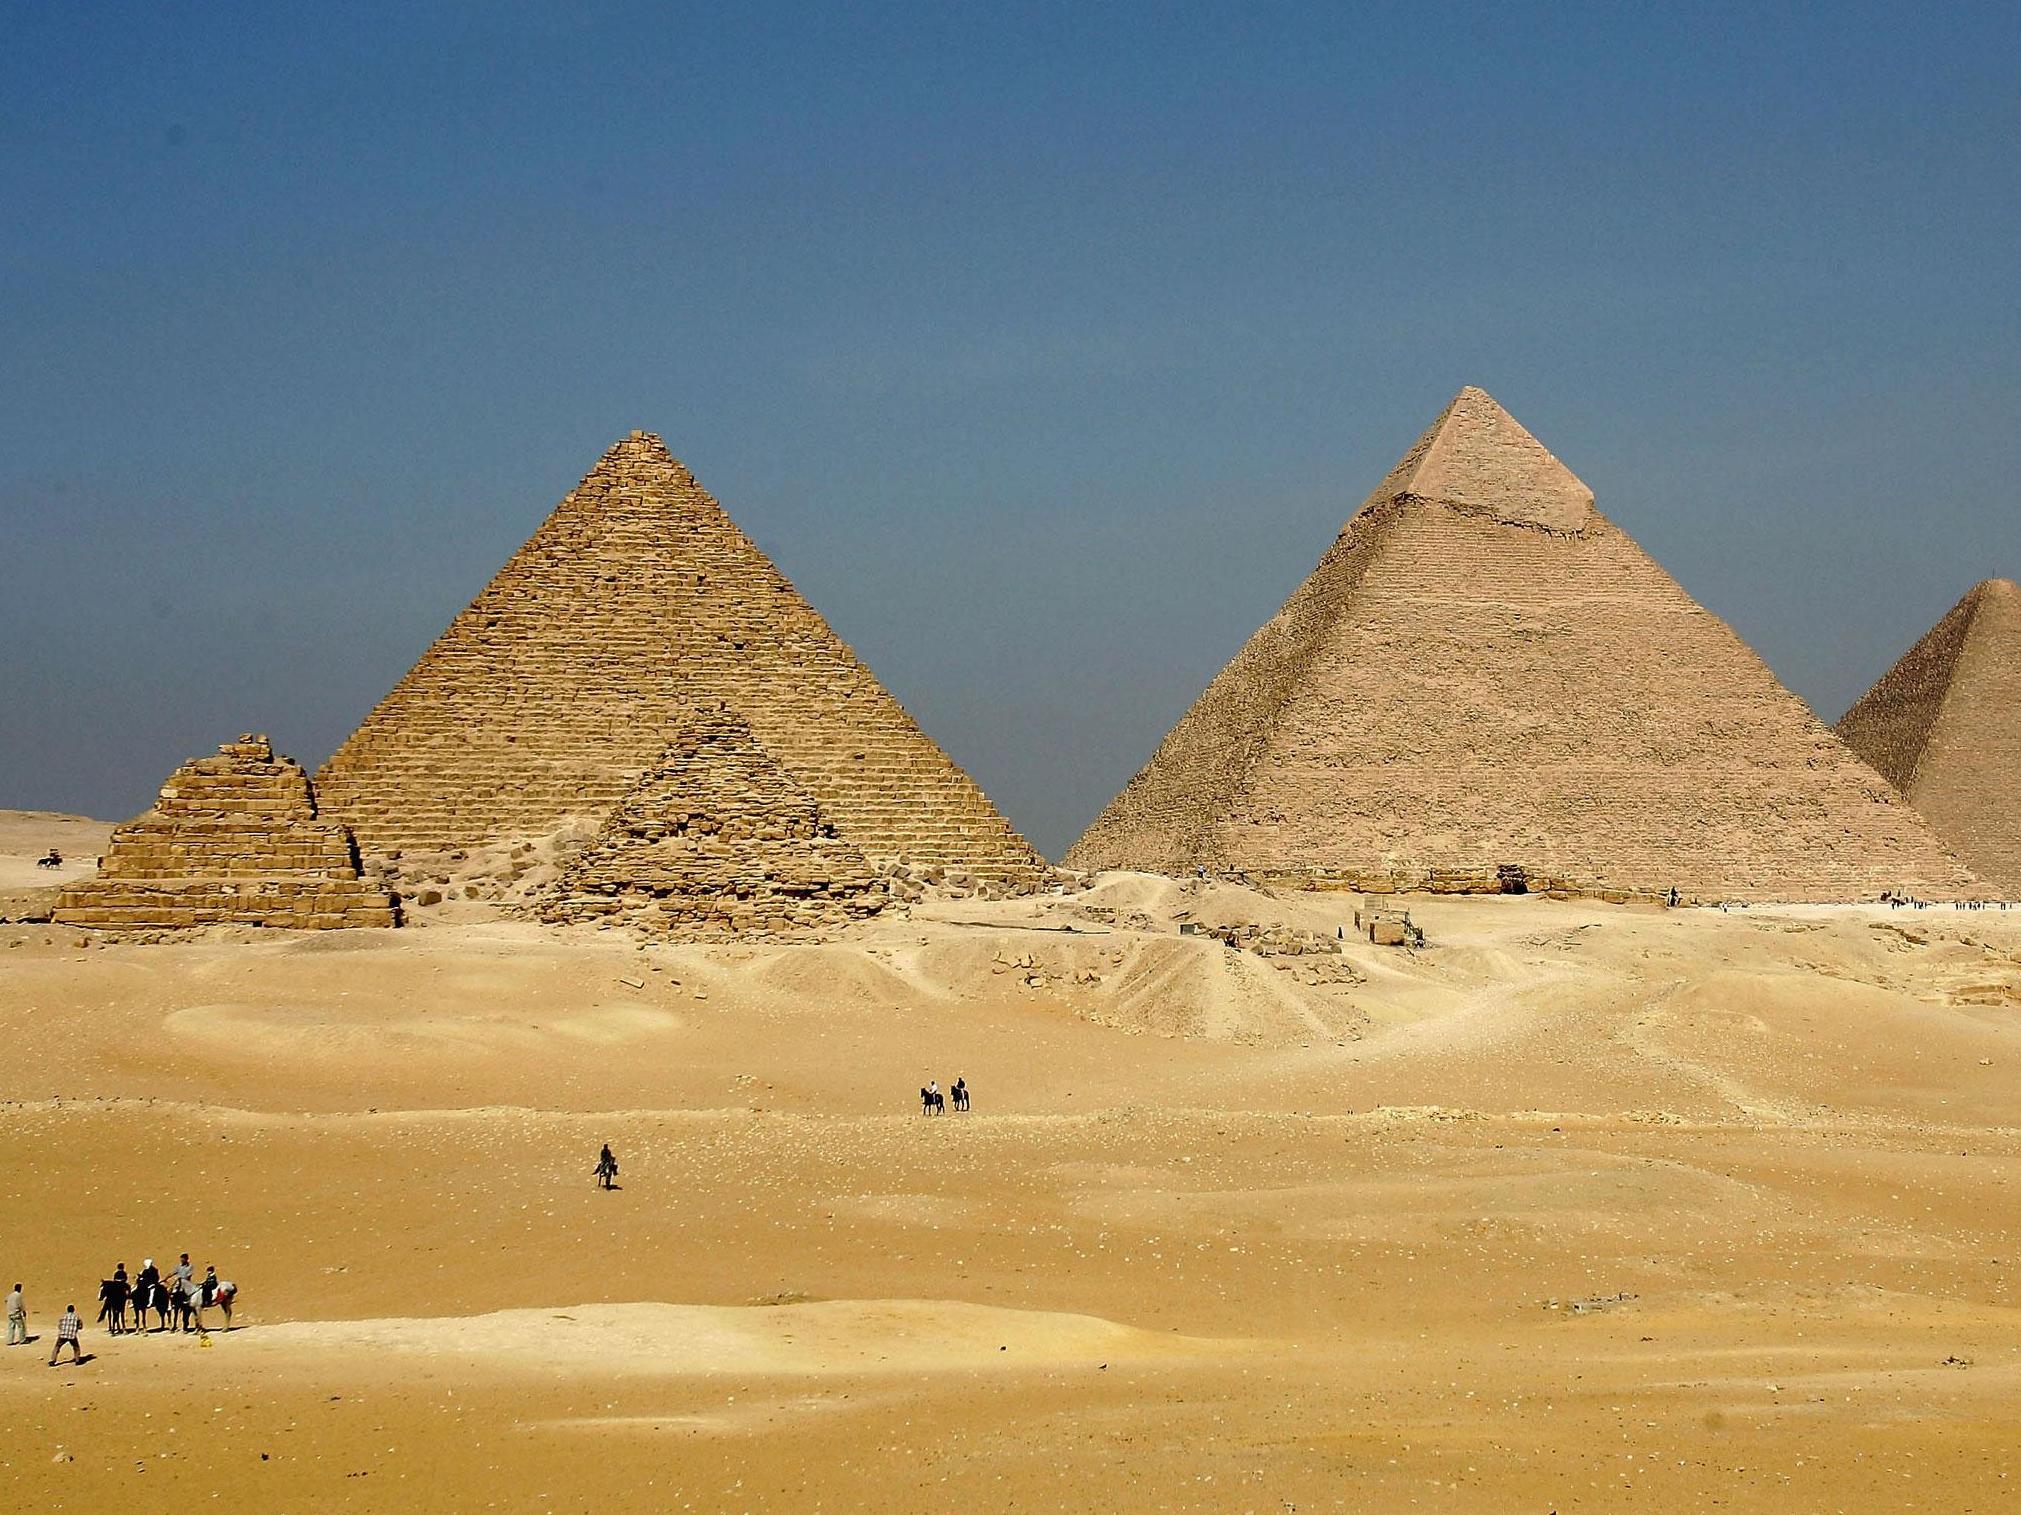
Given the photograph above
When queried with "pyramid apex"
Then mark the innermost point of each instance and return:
(1479, 457)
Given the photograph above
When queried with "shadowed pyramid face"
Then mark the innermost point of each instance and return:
(556, 689)
(1483, 671)
(1944, 727)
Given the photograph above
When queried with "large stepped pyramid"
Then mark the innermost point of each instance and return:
(714, 838)
(233, 839)
(1484, 673)
(1944, 727)
(548, 697)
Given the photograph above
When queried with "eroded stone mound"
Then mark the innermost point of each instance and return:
(1486, 679)
(232, 840)
(547, 698)
(1944, 727)
(716, 838)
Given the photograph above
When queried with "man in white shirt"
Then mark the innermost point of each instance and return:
(17, 1319)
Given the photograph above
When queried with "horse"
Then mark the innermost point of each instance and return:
(50, 859)
(960, 1093)
(932, 1102)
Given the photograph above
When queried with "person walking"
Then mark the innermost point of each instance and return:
(17, 1319)
(69, 1327)
(606, 1168)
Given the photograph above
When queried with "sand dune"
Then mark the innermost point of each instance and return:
(1583, 1207)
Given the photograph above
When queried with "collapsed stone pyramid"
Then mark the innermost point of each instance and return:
(1485, 674)
(1944, 727)
(715, 837)
(552, 693)
(232, 840)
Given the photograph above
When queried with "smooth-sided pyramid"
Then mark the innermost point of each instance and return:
(1944, 727)
(1486, 680)
(716, 837)
(232, 840)
(546, 699)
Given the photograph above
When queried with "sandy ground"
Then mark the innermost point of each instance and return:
(26, 835)
(1583, 1208)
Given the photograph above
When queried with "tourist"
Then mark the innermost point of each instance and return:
(180, 1291)
(69, 1327)
(17, 1319)
(960, 1092)
(125, 1293)
(606, 1168)
(149, 1295)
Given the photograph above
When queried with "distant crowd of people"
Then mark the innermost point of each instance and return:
(178, 1300)
(1910, 902)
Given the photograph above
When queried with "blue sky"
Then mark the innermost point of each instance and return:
(1044, 346)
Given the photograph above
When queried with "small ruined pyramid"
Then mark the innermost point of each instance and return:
(1944, 727)
(548, 697)
(716, 837)
(1486, 683)
(232, 840)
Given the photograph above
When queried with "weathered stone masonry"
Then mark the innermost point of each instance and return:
(1944, 727)
(716, 837)
(1485, 671)
(232, 840)
(553, 692)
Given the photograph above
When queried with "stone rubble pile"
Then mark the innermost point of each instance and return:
(716, 838)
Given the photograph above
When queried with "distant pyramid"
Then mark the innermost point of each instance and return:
(552, 693)
(232, 840)
(715, 837)
(1944, 727)
(1485, 673)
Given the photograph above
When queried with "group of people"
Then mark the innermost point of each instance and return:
(178, 1300)
(933, 1102)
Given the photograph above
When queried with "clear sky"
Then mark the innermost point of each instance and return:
(1044, 346)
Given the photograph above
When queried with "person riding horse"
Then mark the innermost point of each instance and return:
(606, 1168)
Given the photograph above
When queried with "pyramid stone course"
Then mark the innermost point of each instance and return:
(550, 695)
(1484, 672)
(716, 838)
(1944, 727)
(233, 839)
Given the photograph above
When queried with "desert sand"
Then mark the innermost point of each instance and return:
(1580, 1208)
